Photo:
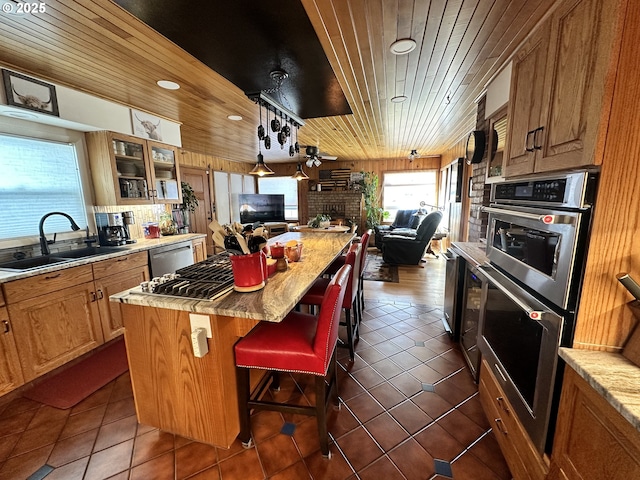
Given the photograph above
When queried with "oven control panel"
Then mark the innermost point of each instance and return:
(539, 190)
(570, 190)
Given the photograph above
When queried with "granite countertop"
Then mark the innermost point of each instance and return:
(473, 252)
(282, 292)
(141, 245)
(612, 375)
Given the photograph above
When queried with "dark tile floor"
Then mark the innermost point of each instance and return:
(410, 411)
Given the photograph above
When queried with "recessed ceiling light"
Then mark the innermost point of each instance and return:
(235, 118)
(168, 84)
(398, 99)
(402, 46)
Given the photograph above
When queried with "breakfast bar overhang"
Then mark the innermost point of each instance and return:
(196, 397)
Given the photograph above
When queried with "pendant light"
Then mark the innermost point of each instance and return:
(300, 175)
(261, 168)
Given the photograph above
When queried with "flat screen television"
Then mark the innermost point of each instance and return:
(256, 207)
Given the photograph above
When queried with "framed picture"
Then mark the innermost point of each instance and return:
(29, 93)
(146, 126)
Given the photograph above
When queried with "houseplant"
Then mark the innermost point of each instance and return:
(320, 221)
(189, 203)
(369, 187)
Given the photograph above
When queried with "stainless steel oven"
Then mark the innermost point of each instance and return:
(519, 341)
(538, 229)
(536, 243)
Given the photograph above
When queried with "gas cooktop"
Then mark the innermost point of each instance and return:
(205, 280)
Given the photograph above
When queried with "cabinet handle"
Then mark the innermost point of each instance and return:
(51, 277)
(537, 146)
(6, 326)
(500, 426)
(100, 295)
(93, 296)
(526, 142)
(501, 404)
(122, 259)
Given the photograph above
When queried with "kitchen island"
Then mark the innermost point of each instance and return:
(196, 397)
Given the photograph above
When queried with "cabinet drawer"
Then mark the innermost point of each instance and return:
(119, 264)
(31, 287)
(523, 459)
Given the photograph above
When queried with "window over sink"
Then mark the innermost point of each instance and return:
(38, 176)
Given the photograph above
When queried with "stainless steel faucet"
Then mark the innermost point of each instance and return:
(44, 243)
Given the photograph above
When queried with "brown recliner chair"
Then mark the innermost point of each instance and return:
(401, 250)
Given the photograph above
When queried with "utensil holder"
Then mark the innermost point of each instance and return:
(249, 271)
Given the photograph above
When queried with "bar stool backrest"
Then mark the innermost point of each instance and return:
(364, 241)
(352, 286)
(329, 317)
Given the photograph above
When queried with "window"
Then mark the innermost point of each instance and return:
(286, 185)
(38, 177)
(405, 191)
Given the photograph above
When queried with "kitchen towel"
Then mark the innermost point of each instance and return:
(76, 383)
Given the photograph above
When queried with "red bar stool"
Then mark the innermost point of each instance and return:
(314, 296)
(364, 241)
(301, 343)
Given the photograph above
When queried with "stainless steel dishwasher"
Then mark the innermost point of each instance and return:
(169, 258)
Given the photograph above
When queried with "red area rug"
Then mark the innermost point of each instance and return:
(79, 381)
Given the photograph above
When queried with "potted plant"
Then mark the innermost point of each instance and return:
(189, 203)
(369, 187)
(320, 221)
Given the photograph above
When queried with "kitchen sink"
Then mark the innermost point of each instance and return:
(30, 263)
(86, 252)
(58, 257)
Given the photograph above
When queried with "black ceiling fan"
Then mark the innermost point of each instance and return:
(314, 155)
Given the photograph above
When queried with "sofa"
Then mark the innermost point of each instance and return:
(406, 223)
(409, 250)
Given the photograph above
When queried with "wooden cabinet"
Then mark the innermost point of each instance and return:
(132, 171)
(592, 441)
(199, 250)
(497, 141)
(58, 316)
(561, 89)
(522, 457)
(113, 276)
(55, 319)
(10, 370)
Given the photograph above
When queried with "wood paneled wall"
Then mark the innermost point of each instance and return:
(378, 167)
(201, 160)
(604, 320)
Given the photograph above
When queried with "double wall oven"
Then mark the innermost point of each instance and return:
(536, 243)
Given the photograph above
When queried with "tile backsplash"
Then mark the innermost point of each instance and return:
(142, 214)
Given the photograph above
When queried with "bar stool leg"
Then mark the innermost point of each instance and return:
(321, 414)
(350, 341)
(244, 387)
(275, 381)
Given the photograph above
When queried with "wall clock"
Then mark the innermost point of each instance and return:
(475, 146)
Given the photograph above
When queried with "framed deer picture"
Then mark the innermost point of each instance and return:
(146, 126)
(26, 92)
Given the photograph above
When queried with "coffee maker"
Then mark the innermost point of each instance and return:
(128, 219)
(111, 229)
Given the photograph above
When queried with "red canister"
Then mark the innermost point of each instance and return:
(249, 271)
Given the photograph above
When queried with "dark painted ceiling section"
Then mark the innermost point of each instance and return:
(244, 40)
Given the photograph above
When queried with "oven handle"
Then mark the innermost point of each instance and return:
(547, 219)
(531, 312)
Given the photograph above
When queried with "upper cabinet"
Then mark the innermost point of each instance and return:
(561, 89)
(497, 139)
(129, 170)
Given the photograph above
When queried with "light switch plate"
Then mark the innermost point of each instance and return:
(200, 321)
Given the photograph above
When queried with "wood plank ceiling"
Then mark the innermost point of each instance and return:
(97, 47)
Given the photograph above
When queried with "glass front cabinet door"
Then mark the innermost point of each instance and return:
(165, 171)
(128, 170)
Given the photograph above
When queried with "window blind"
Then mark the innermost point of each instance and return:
(38, 177)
